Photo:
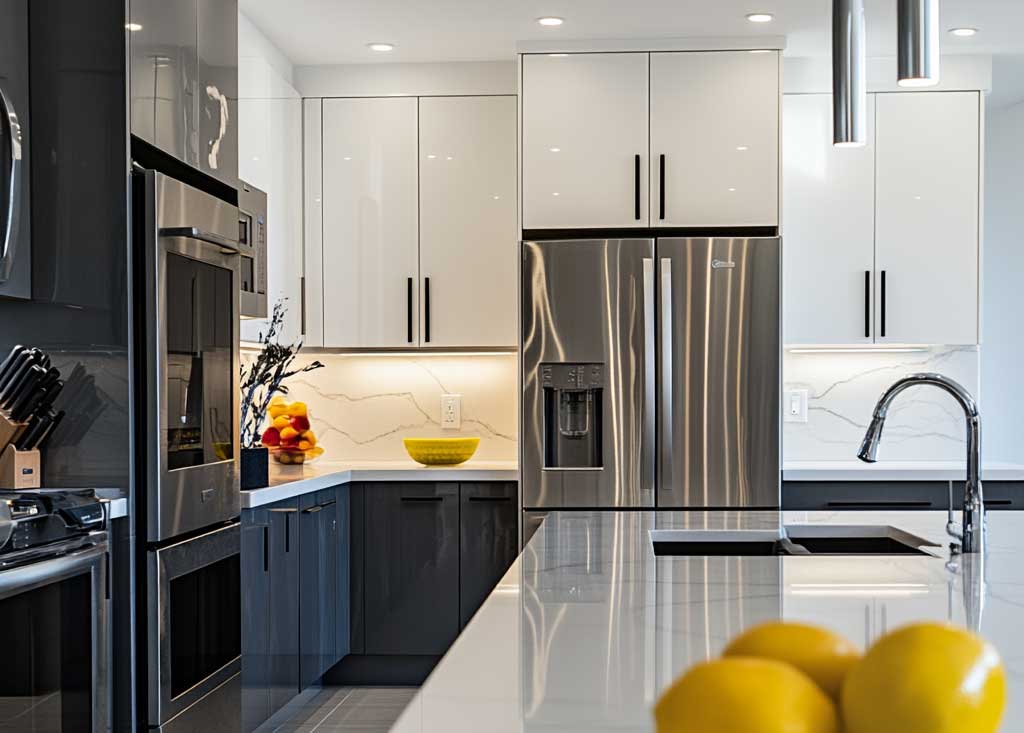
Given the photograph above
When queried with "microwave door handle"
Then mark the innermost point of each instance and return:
(10, 231)
(201, 235)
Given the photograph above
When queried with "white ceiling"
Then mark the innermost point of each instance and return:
(315, 32)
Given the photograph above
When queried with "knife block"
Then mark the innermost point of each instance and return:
(19, 469)
(9, 430)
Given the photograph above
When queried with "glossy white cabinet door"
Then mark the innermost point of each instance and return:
(715, 118)
(468, 221)
(927, 214)
(584, 124)
(370, 222)
(828, 227)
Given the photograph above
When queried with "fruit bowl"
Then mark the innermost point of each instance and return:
(288, 435)
(441, 451)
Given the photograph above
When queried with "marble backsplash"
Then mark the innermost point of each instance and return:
(924, 424)
(361, 406)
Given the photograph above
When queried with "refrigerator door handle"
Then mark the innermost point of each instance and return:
(10, 230)
(648, 453)
(666, 438)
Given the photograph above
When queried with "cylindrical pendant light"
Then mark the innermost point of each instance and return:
(918, 35)
(849, 74)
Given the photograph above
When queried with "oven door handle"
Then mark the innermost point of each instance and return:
(35, 575)
(10, 230)
(201, 235)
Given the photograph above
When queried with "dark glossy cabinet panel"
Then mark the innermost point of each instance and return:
(412, 568)
(343, 576)
(218, 89)
(255, 619)
(489, 542)
(164, 76)
(283, 666)
(318, 532)
(15, 224)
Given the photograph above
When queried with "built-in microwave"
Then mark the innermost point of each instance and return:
(252, 246)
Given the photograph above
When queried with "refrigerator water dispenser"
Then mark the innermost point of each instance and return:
(572, 415)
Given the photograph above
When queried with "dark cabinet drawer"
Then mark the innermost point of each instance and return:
(411, 568)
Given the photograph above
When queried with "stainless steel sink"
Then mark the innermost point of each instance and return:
(794, 539)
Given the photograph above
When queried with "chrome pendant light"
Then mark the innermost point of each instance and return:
(918, 35)
(849, 74)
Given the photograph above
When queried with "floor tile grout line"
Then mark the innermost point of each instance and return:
(340, 703)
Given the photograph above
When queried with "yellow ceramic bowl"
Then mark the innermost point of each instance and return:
(441, 451)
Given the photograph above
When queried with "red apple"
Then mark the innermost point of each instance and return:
(300, 423)
(271, 437)
(290, 442)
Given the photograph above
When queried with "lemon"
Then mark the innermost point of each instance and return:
(926, 678)
(745, 695)
(820, 654)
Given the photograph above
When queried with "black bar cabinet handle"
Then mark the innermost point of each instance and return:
(661, 187)
(287, 532)
(636, 187)
(266, 549)
(490, 498)
(883, 303)
(408, 308)
(422, 498)
(867, 303)
(426, 309)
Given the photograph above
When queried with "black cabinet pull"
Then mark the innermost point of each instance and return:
(266, 549)
(867, 304)
(426, 309)
(490, 498)
(287, 532)
(883, 303)
(661, 187)
(422, 499)
(408, 309)
(636, 187)
(886, 504)
(313, 510)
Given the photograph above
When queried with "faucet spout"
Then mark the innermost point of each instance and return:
(972, 535)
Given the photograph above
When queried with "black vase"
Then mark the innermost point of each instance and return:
(255, 468)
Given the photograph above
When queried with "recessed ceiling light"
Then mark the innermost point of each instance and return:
(550, 20)
(557, 55)
(742, 148)
(760, 17)
(431, 156)
(963, 32)
(760, 50)
(133, 27)
(555, 150)
(556, 194)
(382, 47)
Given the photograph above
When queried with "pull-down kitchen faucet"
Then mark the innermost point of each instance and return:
(972, 534)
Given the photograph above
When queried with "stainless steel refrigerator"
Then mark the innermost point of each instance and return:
(650, 373)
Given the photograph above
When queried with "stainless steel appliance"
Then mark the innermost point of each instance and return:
(54, 605)
(651, 373)
(15, 240)
(252, 245)
(189, 667)
(191, 285)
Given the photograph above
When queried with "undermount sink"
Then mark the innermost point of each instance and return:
(794, 540)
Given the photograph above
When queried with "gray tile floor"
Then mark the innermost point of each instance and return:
(337, 709)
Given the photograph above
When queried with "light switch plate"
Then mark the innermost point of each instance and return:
(794, 405)
(451, 411)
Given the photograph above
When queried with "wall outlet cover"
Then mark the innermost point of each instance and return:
(451, 411)
(794, 405)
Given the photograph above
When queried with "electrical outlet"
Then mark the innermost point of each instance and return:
(451, 411)
(794, 408)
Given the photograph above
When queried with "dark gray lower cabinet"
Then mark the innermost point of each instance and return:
(411, 568)
(283, 605)
(318, 529)
(255, 619)
(489, 541)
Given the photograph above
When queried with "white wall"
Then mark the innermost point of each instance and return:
(369, 80)
(270, 158)
(813, 75)
(1003, 269)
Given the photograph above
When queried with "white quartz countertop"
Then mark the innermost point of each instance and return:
(588, 626)
(896, 471)
(290, 481)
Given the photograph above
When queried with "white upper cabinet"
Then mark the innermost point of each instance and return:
(927, 217)
(468, 221)
(370, 232)
(829, 217)
(715, 130)
(585, 140)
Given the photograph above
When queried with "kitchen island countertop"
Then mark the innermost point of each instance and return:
(588, 627)
(287, 482)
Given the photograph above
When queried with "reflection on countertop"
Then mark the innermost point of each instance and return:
(290, 481)
(588, 626)
(854, 470)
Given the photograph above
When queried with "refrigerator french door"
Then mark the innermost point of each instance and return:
(651, 373)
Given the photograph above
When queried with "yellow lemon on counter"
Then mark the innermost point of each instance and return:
(820, 654)
(926, 678)
(297, 409)
(745, 695)
(281, 422)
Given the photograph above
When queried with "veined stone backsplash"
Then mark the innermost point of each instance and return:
(924, 424)
(362, 406)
